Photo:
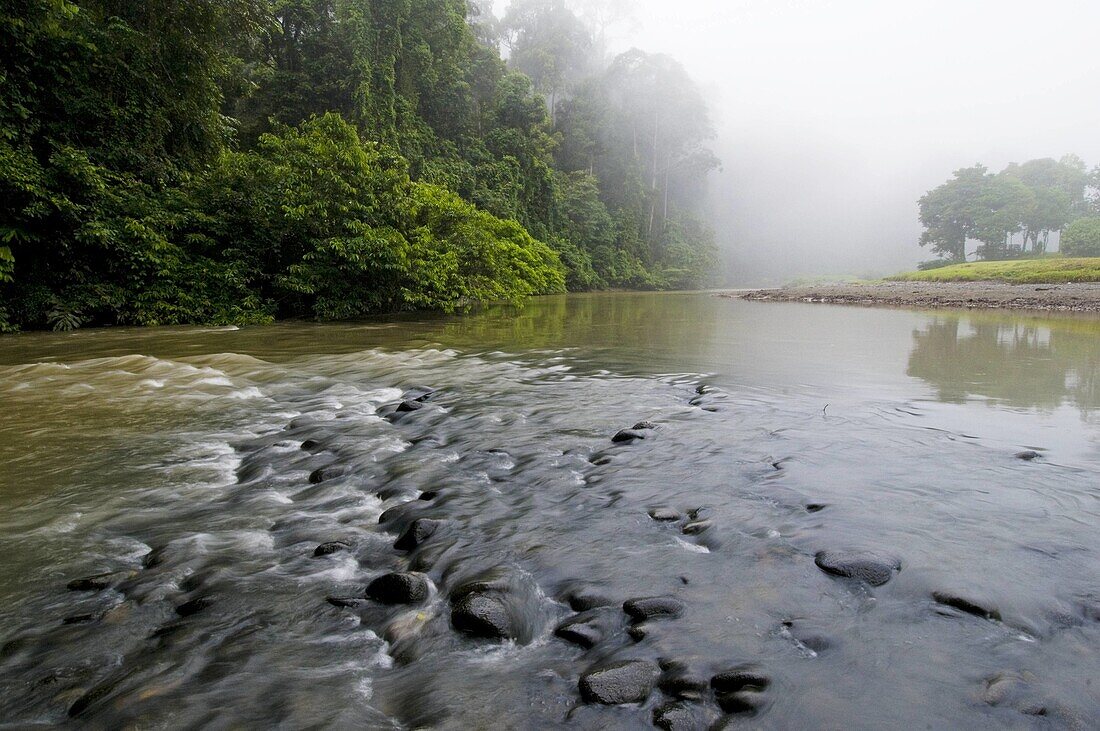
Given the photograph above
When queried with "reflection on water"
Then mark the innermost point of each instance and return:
(1020, 361)
(194, 472)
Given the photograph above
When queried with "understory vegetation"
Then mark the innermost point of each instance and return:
(238, 161)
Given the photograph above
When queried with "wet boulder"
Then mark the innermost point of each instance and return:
(401, 587)
(867, 567)
(680, 680)
(681, 716)
(628, 681)
(325, 473)
(626, 436)
(99, 582)
(815, 507)
(345, 602)
(310, 445)
(664, 514)
(740, 689)
(653, 607)
(1028, 455)
(418, 393)
(419, 531)
(499, 605)
(587, 629)
(330, 547)
(963, 604)
(194, 606)
(696, 527)
(408, 406)
(644, 425)
(584, 598)
(483, 615)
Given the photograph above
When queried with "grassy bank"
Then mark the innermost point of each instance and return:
(1020, 271)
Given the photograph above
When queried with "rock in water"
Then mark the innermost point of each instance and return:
(418, 531)
(1028, 455)
(644, 425)
(653, 607)
(965, 605)
(680, 716)
(627, 435)
(329, 548)
(678, 680)
(407, 406)
(740, 677)
(664, 514)
(867, 567)
(483, 615)
(629, 681)
(587, 629)
(401, 587)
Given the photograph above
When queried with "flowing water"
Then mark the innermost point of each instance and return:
(171, 462)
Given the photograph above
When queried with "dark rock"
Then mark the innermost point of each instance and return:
(194, 606)
(703, 388)
(664, 514)
(329, 548)
(418, 531)
(866, 567)
(418, 393)
(815, 507)
(965, 605)
(324, 473)
(98, 582)
(654, 607)
(600, 460)
(696, 527)
(310, 444)
(701, 513)
(79, 619)
(406, 406)
(638, 632)
(629, 681)
(742, 701)
(1028, 455)
(740, 677)
(680, 716)
(428, 495)
(583, 599)
(399, 588)
(644, 425)
(483, 615)
(627, 435)
(679, 680)
(345, 602)
(587, 629)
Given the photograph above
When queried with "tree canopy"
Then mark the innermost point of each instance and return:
(234, 161)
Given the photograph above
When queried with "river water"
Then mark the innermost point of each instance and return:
(169, 464)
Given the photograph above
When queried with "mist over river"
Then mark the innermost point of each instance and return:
(851, 517)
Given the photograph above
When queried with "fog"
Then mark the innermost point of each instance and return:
(833, 117)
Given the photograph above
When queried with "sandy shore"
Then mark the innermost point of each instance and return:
(1079, 297)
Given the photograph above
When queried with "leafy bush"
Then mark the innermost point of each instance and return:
(1081, 238)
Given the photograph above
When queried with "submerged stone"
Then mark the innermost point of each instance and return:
(418, 531)
(696, 527)
(586, 630)
(330, 547)
(406, 406)
(629, 681)
(965, 605)
(585, 598)
(194, 606)
(401, 587)
(627, 436)
(664, 514)
(867, 567)
(1028, 455)
(680, 716)
(679, 680)
(740, 677)
(644, 425)
(653, 607)
(483, 615)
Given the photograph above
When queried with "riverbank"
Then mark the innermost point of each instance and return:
(1068, 297)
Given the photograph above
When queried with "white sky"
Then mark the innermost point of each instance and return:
(834, 116)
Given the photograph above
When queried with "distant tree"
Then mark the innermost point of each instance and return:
(949, 211)
(1058, 187)
(1082, 238)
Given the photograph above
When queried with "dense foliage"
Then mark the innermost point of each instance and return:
(1082, 238)
(239, 160)
(1009, 214)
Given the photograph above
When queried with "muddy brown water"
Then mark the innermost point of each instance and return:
(171, 460)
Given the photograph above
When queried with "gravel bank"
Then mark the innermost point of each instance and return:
(1074, 297)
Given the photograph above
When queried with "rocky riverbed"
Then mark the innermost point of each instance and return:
(421, 537)
(1071, 297)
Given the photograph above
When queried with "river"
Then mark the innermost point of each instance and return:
(163, 493)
